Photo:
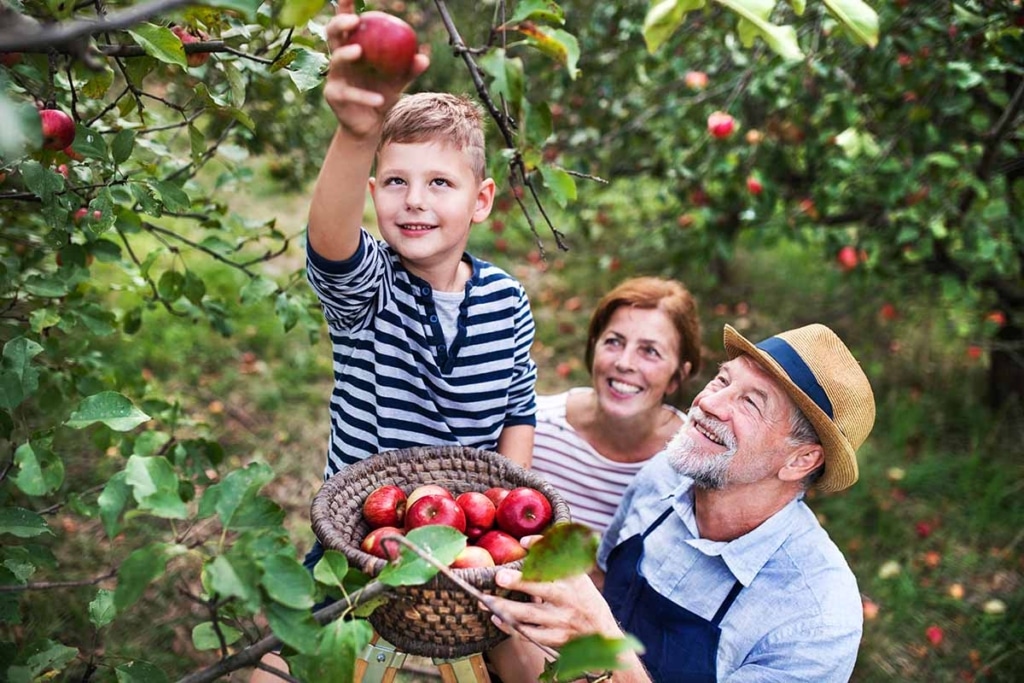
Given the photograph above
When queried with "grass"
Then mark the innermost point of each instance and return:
(932, 530)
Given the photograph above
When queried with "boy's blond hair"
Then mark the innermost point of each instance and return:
(455, 120)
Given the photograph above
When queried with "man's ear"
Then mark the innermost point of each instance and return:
(802, 462)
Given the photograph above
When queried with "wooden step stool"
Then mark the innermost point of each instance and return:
(381, 661)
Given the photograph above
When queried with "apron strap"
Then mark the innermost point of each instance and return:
(654, 525)
(727, 604)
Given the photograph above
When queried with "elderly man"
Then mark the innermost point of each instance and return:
(713, 561)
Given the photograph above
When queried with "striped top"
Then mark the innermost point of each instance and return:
(397, 384)
(591, 484)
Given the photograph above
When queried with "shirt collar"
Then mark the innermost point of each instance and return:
(746, 555)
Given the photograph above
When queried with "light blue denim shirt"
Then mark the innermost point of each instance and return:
(798, 616)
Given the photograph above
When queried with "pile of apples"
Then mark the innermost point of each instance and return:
(493, 520)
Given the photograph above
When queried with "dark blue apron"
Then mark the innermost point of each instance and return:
(680, 646)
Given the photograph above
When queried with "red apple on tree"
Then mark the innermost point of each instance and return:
(525, 511)
(372, 542)
(426, 490)
(696, 80)
(389, 45)
(191, 58)
(58, 128)
(496, 494)
(501, 546)
(385, 506)
(472, 556)
(754, 185)
(847, 258)
(442, 510)
(721, 125)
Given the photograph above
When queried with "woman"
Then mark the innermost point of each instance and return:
(643, 344)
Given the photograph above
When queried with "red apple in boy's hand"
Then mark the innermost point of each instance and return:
(478, 508)
(426, 490)
(389, 45)
(496, 494)
(372, 543)
(441, 510)
(58, 128)
(472, 556)
(524, 512)
(384, 506)
(502, 547)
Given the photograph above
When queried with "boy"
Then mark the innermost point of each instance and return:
(431, 346)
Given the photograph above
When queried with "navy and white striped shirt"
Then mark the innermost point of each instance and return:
(397, 384)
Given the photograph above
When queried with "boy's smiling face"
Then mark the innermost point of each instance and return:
(427, 197)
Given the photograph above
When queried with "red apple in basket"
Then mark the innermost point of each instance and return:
(385, 506)
(502, 547)
(472, 556)
(524, 512)
(479, 512)
(372, 543)
(435, 510)
(496, 494)
(426, 490)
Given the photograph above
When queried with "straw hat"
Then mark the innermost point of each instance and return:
(826, 382)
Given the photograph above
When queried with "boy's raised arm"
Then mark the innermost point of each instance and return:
(359, 102)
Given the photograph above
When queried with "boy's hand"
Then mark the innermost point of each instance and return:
(359, 100)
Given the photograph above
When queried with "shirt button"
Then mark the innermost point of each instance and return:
(426, 291)
(433, 318)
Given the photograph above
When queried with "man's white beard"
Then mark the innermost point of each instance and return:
(708, 471)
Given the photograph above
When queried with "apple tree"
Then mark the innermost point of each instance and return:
(114, 189)
(908, 154)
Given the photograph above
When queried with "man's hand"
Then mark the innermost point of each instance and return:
(560, 610)
(358, 100)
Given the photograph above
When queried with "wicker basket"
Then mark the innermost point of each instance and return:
(435, 619)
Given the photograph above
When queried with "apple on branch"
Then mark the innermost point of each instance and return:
(186, 37)
(389, 45)
(721, 125)
(58, 129)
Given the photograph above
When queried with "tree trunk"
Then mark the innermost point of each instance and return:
(1006, 373)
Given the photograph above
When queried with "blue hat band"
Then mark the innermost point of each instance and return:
(799, 373)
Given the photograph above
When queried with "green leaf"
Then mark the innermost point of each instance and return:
(298, 12)
(506, 77)
(287, 581)
(226, 497)
(538, 10)
(556, 43)
(442, 542)
(22, 523)
(170, 285)
(109, 407)
(564, 550)
(781, 39)
(45, 660)
(122, 145)
(942, 160)
(589, 653)
(40, 181)
(341, 644)
(258, 289)
(798, 6)
(139, 569)
(331, 569)
(101, 609)
(663, 18)
(91, 144)
(561, 184)
(112, 502)
(247, 8)
(172, 196)
(98, 84)
(21, 130)
(155, 486)
(204, 636)
(42, 319)
(228, 580)
(140, 672)
(858, 18)
(40, 470)
(295, 627)
(306, 69)
(160, 42)
(18, 379)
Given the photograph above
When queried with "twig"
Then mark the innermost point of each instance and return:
(50, 585)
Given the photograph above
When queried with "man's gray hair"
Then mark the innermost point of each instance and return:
(801, 433)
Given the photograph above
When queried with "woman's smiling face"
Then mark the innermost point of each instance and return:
(636, 361)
